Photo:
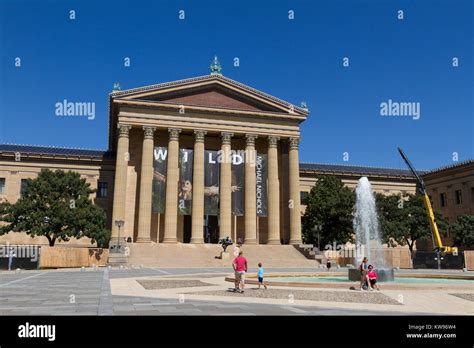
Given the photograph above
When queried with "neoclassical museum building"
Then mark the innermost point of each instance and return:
(193, 161)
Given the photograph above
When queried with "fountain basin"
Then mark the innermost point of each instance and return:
(383, 275)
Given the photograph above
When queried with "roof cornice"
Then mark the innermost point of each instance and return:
(458, 165)
(209, 78)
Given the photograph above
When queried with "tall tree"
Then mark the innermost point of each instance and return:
(329, 205)
(56, 205)
(404, 221)
(463, 231)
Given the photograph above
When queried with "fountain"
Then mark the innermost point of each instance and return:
(366, 226)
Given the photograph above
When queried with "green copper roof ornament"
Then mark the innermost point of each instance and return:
(303, 105)
(116, 87)
(215, 67)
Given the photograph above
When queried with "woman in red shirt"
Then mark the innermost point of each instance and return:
(372, 276)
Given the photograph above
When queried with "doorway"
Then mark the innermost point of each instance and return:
(187, 227)
(211, 229)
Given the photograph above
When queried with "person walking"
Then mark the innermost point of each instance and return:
(11, 255)
(240, 267)
(328, 263)
(260, 276)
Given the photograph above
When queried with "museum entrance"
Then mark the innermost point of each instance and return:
(187, 228)
(211, 229)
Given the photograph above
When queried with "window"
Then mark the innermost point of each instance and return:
(442, 198)
(472, 194)
(458, 195)
(102, 189)
(2, 186)
(24, 186)
(304, 197)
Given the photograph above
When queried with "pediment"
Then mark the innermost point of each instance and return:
(213, 96)
(213, 91)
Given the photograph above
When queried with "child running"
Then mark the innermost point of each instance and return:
(260, 276)
(372, 275)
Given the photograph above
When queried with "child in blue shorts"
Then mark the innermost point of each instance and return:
(260, 276)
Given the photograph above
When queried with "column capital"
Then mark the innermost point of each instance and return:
(226, 138)
(148, 132)
(250, 139)
(294, 142)
(199, 135)
(174, 133)
(273, 141)
(124, 130)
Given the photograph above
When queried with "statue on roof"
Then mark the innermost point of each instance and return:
(215, 67)
(116, 87)
(303, 105)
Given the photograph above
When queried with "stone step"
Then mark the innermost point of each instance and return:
(117, 259)
(208, 255)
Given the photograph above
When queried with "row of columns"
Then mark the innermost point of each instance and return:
(172, 178)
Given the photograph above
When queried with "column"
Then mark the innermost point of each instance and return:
(172, 177)
(273, 192)
(250, 191)
(146, 179)
(120, 185)
(198, 188)
(225, 198)
(294, 179)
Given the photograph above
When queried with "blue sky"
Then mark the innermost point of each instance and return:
(407, 60)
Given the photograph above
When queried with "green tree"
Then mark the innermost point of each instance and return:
(463, 231)
(329, 205)
(56, 205)
(403, 222)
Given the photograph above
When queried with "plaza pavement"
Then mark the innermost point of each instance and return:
(103, 291)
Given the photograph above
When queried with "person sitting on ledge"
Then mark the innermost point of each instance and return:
(372, 278)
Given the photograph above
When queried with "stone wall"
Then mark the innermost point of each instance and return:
(469, 259)
(396, 257)
(71, 257)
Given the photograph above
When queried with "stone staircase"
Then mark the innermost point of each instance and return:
(307, 250)
(118, 255)
(117, 259)
(310, 252)
(181, 255)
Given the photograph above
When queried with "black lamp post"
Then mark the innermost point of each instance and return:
(318, 228)
(119, 224)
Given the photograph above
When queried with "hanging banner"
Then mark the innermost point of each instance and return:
(158, 197)
(261, 172)
(238, 173)
(185, 194)
(211, 183)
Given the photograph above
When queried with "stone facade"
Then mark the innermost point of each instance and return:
(204, 113)
(18, 163)
(451, 189)
(383, 180)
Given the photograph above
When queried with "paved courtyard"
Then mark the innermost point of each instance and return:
(153, 291)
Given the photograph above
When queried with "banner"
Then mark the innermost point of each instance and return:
(185, 191)
(261, 172)
(238, 174)
(211, 183)
(158, 197)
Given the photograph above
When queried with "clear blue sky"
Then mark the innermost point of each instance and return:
(297, 60)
